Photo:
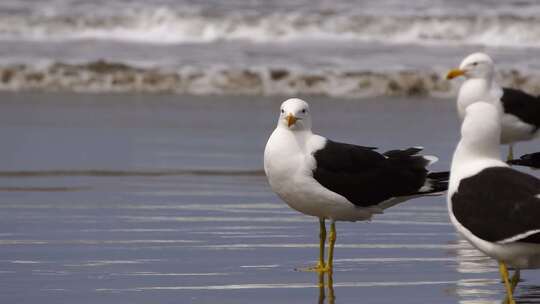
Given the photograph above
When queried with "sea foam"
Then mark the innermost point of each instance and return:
(102, 76)
(165, 25)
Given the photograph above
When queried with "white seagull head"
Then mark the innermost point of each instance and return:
(481, 128)
(294, 115)
(476, 65)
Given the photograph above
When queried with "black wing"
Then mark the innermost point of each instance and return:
(366, 177)
(499, 203)
(528, 160)
(526, 107)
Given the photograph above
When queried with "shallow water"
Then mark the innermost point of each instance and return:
(159, 199)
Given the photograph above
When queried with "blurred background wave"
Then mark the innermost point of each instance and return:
(340, 48)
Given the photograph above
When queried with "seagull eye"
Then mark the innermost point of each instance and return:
(475, 63)
(303, 110)
(282, 111)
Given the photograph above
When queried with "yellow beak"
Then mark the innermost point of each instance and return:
(455, 73)
(291, 120)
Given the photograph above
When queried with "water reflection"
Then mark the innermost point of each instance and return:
(323, 288)
(527, 294)
(472, 262)
(488, 288)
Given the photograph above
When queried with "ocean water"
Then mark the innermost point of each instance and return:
(118, 198)
(254, 47)
(122, 197)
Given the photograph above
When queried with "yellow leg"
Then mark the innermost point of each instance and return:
(515, 279)
(320, 267)
(332, 240)
(322, 288)
(331, 296)
(504, 274)
(322, 295)
(510, 152)
(322, 240)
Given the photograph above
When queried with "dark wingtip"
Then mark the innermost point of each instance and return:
(531, 160)
(403, 153)
(440, 186)
(439, 176)
(439, 180)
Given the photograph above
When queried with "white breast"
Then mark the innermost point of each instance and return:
(513, 129)
(474, 90)
(289, 164)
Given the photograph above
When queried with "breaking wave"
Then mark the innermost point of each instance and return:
(167, 25)
(102, 76)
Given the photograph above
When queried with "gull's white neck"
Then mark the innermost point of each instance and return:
(289, 152)
(283, 143)
(297, 138)
(471, 157)
(479, 89)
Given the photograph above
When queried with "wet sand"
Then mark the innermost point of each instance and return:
(159, 199)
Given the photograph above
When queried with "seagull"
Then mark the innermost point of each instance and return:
(531, 160)
(520, 111)
(494, 207)
(337, 181)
